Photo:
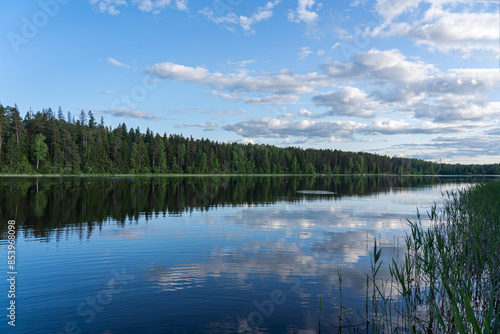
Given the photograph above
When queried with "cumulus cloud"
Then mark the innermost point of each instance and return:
(131, 113)
(440, 28)
(308, 114)
(434, 102)
(390, 81)
(283, 82)
(387, 126)
(282, 128)
(303, 13)
(285, 127)
(244, 141)
(452, 107)
(412, 86)
(390, 65)
(246, 22)
(469, 149)
(391, 9)
(348, 101)
(454, 95)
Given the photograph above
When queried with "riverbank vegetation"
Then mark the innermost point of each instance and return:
(449, 280)
(56, 143)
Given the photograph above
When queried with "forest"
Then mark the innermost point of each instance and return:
(46, 142)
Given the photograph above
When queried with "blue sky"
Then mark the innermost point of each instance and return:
(397, 77)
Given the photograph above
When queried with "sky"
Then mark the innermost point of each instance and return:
(406, 78)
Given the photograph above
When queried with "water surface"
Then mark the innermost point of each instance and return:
(201, 255)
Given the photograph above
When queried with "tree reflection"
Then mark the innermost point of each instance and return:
(42, 206)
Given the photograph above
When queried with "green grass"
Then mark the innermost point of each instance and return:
(449, 280)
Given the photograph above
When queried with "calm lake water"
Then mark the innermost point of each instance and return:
(200, 255)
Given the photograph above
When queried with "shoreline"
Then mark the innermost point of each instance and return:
(238, 175)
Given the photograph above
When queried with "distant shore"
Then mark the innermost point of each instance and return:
(227, 175)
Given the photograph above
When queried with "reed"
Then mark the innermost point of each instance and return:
(449, 279)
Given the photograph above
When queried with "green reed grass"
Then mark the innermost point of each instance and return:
(449, 279)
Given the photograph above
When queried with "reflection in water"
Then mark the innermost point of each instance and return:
(208, 254)
(45, 204)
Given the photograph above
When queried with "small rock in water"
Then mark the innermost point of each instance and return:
(315, 192)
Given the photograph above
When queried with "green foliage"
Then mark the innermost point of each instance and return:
(39, 149)
(449, 281)
(89, 147)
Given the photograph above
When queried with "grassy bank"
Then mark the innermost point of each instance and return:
(449, 280)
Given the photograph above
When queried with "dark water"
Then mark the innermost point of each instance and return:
(199, 255)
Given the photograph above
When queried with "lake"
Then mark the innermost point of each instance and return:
(201, 254)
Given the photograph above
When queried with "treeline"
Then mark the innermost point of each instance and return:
(57, 143)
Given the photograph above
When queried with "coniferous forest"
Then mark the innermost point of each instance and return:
(59, 143)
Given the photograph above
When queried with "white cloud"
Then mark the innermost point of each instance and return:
(283, 82)
(287, 116)
(246, 22)
(246, 141)
(226, 112)
(131, 113)
(271, 100)
(387, 126)
(452, 107)
(440, 29)
(334, 131)
(281, 128)
(303, 13)
(109, 6)
(468, 149)
(348, 101)
(117, 63)
(208, 126)
(258, 101)
(181, 4)
(414, 87)
(452, 96)
(242, 63)
(153, 6)
(180, 72)
(304, 53)
(388, 65)
(305, 113)
(391, 9)
(229, 18)
(262, 13)
(390, 81)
